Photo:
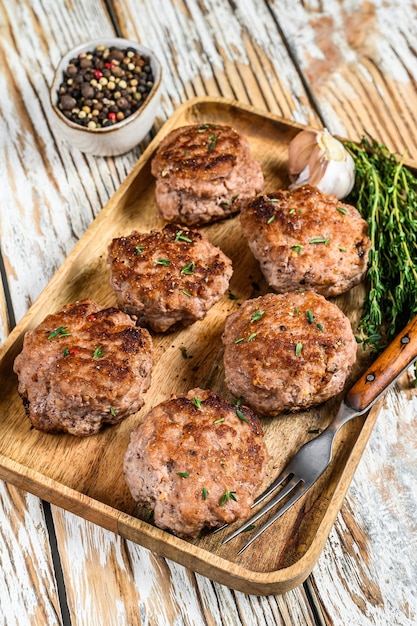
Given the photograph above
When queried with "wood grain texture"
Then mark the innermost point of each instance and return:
(84, 473)
(27, 583)
(359, 61)
(236, 50)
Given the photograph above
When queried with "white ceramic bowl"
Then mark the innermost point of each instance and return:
(122, 136)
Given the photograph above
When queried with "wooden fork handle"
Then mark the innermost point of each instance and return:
(395, 359)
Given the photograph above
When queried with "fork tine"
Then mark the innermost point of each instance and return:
(292, 484)
(274, 518)
(273, 486)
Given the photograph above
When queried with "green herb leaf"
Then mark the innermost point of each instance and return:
(185, 353)
(189, 268)
(180, 237)
(98, 352)
(204, 493)
(183, 474)
(252, 336)
(310, 316)
(241, 416)
(61, 331)
(320, 240)
(165, 262)
(257, 315)
(139, 249)
(297, 247)
(298, 348)
(271, 219)
(197, 403)
(228, 495)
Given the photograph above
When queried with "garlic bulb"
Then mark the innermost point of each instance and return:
(317, 158)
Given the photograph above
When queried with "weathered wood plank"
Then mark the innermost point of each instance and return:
(235, 64)
(359, 61)
(27, 583)
(132, 585)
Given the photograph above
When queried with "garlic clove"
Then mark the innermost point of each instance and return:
(319, 159)
(300, 150)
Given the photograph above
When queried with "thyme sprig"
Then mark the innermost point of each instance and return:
(385, 194)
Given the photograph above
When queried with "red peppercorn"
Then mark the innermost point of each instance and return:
(108, 65)
(98, 74)
(74, 351)
(112, 116)
(92, 317)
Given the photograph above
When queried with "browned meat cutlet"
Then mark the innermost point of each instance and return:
(168, 278)
(83, 367)
(306, 238)
(197, 462)
(203, 173)
(285, 352)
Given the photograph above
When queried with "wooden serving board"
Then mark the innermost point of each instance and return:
(85, 476)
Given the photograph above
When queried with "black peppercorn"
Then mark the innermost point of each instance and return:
(102, 87)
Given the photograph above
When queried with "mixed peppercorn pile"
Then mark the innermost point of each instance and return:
(105, 86)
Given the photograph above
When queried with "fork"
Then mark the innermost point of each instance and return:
(315, 456)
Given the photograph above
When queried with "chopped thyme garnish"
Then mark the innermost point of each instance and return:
(185, 353)
(213, 140)
(149, 514)
(204, 493)
(241, 416)
(183, 474)
(252, 336)
(320, 240)
(310, 316)
(271, 219)
(342, 249)
(61, 331)
(228, 495)
(297, 247)
(187, 293)
(239, 340)
(66, 351)
(139, 249)
(219, 421)
(180, 237)
(320, 326)
(257, 315)
(341, 210)
(232, 296)
(98, 352)
(197, 403)
(113, 411)
(165, 262)
(189, 268)
(298, 348)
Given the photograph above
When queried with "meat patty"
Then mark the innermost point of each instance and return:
(203, 173)
(197, 462)
(168, 278)
(285, 352)
(306, 238)
(83, 367)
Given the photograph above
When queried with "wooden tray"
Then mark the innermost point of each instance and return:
(85, 475)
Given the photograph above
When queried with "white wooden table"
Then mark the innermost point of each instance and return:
(348, 65)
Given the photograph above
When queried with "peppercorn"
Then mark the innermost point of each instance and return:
(105, 86)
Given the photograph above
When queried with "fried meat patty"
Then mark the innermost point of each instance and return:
(306, 238)
(83, 367)
(285, 352)
(197, 462)
(167, 278)
(203, 173)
